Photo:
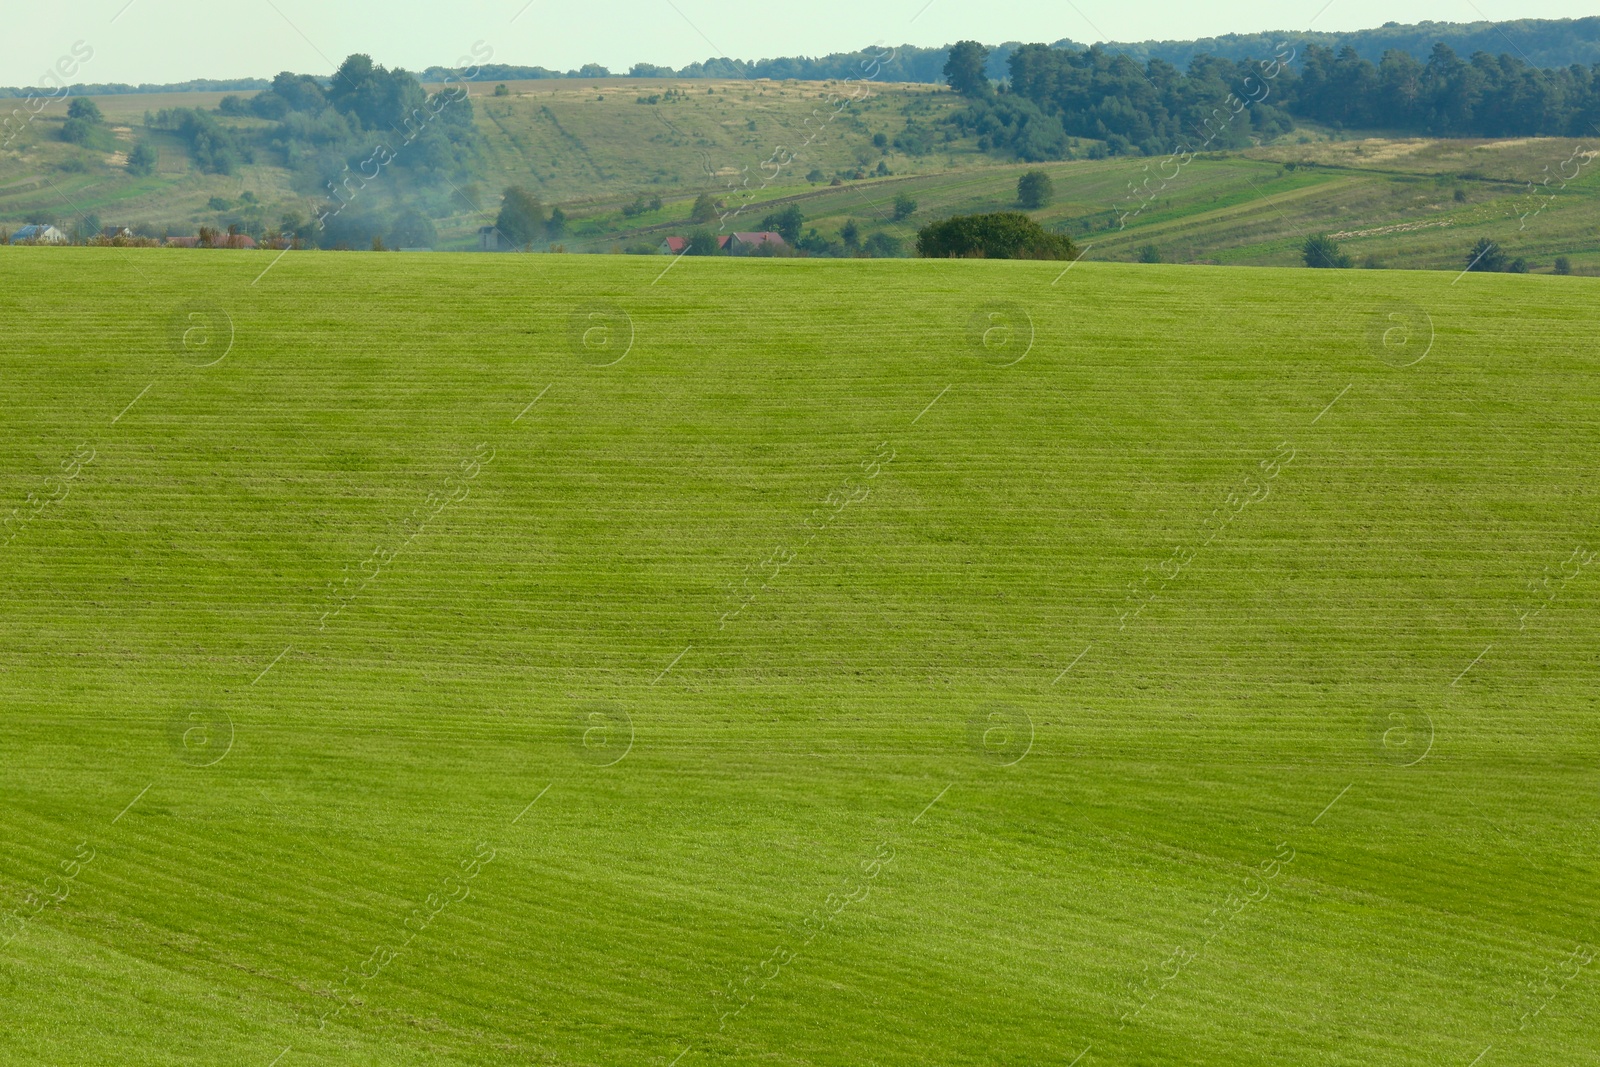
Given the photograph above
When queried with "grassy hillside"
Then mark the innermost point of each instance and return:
(544, 659)
(595, 149)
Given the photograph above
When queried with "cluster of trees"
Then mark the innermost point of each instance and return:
(326, 129)
(524, 222)
(1053, 95)
(214, 148)
(84, 121)
(371, 141)
(903, 64)
(1322, 251)
(1002, 235)
(1486, 96)
(1544, 42)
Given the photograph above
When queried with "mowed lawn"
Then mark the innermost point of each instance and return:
(1199, 685)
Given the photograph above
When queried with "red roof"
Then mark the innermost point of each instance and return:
(762, 237)
(678, 244)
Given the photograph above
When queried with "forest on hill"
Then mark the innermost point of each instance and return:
(1052, 95)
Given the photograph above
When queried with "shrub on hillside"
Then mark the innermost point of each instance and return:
(1320, 250)
(1486, 256)
(703, 243)
(1035, 190)
(87, 110)
(1002, 235)
(142, 160)
(705, 208)
(881, 245)
(522, 217)
(785, 223)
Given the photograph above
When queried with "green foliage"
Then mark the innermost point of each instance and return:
(1149, 254)
(1011, 126)
(217, 203)
(143, 159)
(77, 131)
(213, 147)
(1322, 251)
(522, 217)
(850, 234)
(1486, 257)
(370, 127)
(640, 205)
(556, 225)
(1035, 190)
(786, 223)
(413, 229)
(1002, 235)
(904, 207)
(881, 245)
(915, 140)
(501, 90)
(1563, 265)
(81, 107)
(702, 243)
(1484, 96)
(705, 208)
(965, 72)
(1107, 96)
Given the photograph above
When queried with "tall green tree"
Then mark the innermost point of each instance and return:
(704, 210)
(1320, 250)
(1035, 190)
(522, 217)
(966, 70)
(1486, 256)
(83, 108)
(786, 223)
(142, 160)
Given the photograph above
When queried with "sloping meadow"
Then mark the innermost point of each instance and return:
(543, 659)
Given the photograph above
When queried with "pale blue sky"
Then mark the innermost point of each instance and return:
(174, 40)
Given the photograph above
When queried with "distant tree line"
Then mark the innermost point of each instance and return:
(1543, 42)
(1054, 95)
(1548, 42)
(1485, 96)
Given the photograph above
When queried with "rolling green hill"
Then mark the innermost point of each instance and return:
(602, 149)
(496, 660)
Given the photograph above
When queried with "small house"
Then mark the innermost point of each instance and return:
(676, 246)
(757, 241)
(39, 235)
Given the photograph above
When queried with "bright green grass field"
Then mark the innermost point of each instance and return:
(1269, 605)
